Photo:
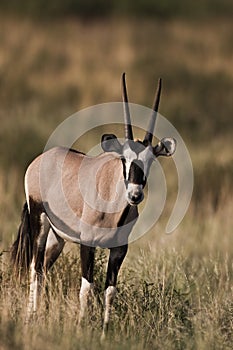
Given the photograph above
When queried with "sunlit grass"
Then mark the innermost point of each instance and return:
(175, 291)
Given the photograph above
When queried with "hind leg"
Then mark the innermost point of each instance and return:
(40, 225)
(48, 249)
(53, 249)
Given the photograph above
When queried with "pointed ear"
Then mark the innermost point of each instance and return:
(166, 147)
(110, 143)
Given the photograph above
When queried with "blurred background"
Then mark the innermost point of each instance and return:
(58, 57)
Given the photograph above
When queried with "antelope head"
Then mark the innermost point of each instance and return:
(137, 156)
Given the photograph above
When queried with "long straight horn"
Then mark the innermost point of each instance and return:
(128, 126)
(151, 127)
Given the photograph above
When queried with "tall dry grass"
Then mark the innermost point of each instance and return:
(175, 291)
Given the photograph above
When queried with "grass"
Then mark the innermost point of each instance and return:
(168, 297)
(174, 291)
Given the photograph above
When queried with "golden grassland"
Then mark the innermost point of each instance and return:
(175, 291)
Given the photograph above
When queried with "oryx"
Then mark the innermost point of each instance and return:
(88, 200)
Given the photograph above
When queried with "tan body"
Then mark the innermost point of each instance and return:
(83, 197)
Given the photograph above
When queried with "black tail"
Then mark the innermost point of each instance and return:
(21, 251)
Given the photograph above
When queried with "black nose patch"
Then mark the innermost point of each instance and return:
(136, 173)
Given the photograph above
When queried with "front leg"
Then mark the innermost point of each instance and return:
(116, 258)
(87, 255)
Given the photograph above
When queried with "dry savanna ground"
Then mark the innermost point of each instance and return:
(174, 291)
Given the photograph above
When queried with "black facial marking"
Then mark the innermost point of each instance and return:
(124, 168)
(136, 173)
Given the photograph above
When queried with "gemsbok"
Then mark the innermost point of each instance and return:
(88, 200)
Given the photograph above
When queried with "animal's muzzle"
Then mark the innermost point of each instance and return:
(134, 194)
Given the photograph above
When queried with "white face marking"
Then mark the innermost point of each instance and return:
(133, 188)
(134, 193)
(130, 156)
(145, 156)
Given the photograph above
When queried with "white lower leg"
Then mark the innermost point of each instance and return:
(109, 297)
(85, 291)
(36, 280)
(35, 289)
